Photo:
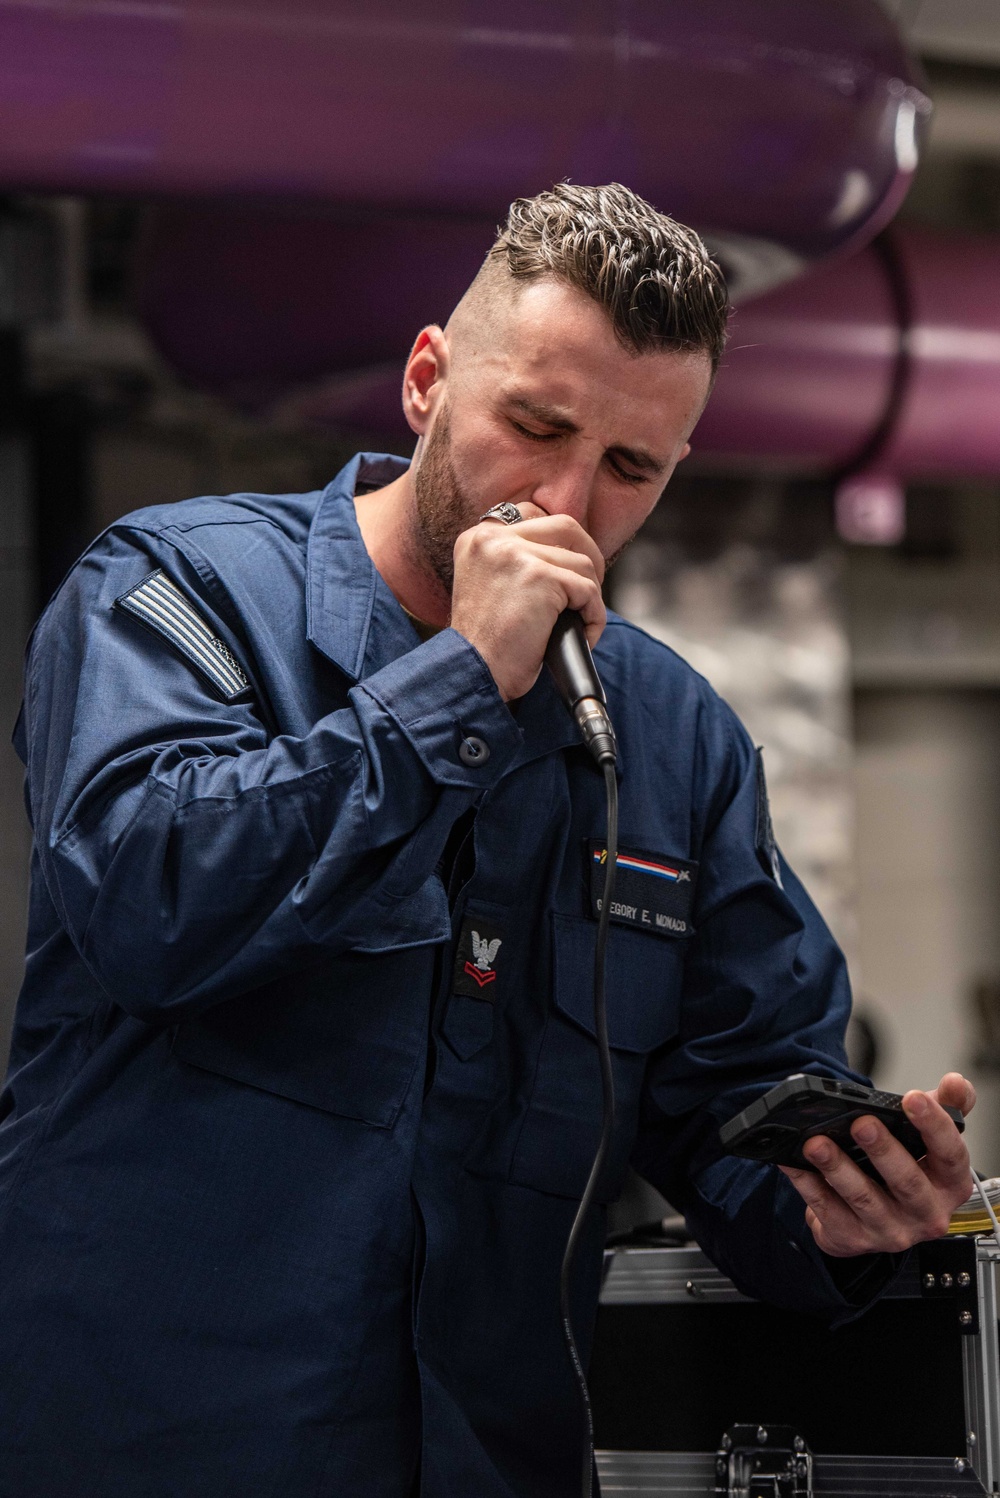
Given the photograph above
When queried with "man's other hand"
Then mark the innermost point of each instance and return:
(848, 1213)
(513, 582)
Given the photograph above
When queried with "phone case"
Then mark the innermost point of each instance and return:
(775, 1127)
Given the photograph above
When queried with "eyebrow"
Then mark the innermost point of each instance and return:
(640, 459)
(550, 416)
(553, 416)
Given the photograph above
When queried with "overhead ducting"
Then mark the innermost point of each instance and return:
(785, 129)
(888, 361)
(358, 160)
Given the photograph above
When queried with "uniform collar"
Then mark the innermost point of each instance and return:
(351, 614)
(353, 617)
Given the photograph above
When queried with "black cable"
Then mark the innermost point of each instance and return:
(607, 1117)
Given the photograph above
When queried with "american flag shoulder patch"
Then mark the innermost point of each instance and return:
(162, 607)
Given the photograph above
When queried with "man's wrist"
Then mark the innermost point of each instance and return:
(448, 706)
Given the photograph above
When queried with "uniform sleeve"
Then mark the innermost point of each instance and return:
(191, 853)
(765, 995)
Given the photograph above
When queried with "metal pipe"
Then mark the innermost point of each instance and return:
(790, 125)
(810, 367)
(319, 316)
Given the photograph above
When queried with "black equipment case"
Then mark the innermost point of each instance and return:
(698, 1390)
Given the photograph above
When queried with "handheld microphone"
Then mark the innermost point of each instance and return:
(568, 657)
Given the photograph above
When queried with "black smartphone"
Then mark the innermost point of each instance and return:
(776, 1126)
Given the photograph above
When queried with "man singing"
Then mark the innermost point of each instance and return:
(304, 1088)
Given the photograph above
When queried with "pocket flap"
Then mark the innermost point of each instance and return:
(343, 1036)
(643, 982)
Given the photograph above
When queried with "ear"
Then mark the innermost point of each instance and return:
(684, 452)
(423, 381)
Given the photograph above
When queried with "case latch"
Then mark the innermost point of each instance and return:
(763, 1461)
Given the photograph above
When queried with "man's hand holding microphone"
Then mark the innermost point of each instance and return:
(512, 581)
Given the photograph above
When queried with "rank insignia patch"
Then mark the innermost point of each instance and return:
(160, 605)
(478, 961)
(652, 892)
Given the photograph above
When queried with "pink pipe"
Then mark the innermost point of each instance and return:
(791, 121)
(318, 319)
(950, 422)
(807, 371)
(810, 367)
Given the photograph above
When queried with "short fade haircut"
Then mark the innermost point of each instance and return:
(653, 276)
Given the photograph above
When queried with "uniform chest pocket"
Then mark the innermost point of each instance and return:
(560, 1131)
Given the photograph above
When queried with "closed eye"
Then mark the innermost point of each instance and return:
(625, 476)
(535, 436)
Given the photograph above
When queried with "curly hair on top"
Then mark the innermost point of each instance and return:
(653, 276)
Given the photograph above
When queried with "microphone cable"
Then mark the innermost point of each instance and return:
(607, 1117)
(572, 666)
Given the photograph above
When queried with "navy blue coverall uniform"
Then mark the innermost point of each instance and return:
(299, 1109)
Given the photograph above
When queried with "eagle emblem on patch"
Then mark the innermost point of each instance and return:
(475, 971)
(486, 952)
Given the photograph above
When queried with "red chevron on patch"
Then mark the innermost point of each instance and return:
(481, 978)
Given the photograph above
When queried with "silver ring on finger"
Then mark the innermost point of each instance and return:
(506, 513)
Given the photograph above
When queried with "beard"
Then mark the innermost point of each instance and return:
(444, 510)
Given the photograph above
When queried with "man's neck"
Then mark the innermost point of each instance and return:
(387, 521)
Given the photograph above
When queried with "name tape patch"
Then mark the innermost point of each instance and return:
(160, 605)
(652, 892)
(479, 960)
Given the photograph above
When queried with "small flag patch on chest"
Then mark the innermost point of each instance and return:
(651, 892)
(641, 865)
(160, 605)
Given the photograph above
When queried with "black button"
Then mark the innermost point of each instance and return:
(473, 751)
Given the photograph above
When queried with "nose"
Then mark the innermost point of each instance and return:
(567, 490)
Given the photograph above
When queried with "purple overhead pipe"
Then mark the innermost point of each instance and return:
(950, 419)
(793, 122)
(810, 369)
(319, 316)
(249, 302)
